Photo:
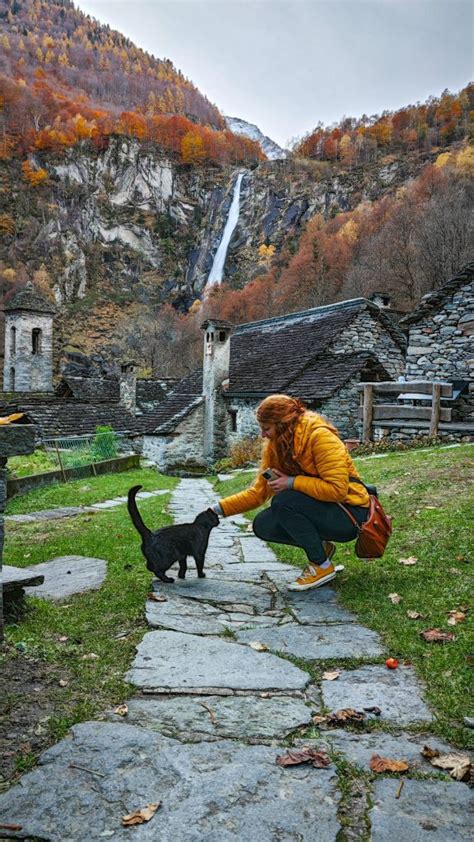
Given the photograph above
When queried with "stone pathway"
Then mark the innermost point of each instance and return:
(218, 699)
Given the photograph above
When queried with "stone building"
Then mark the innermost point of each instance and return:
(28, 360)
(441, 332)
(319, 355)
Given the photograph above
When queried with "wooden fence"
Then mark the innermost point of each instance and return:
(396, 412)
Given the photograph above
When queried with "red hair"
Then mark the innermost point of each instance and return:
(285, 412)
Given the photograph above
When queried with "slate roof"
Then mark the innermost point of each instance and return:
(185, 398)
(58, 418)
(268, 355)
(154, 390)
(28, 299)
(330, 372)
(433, 301)
(95, 389)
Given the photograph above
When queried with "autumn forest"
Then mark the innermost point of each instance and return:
(67, 81)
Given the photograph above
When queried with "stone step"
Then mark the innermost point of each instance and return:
(169, 661)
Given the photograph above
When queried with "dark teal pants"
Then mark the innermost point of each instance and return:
(301, 521)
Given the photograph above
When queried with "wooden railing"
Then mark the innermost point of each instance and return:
(392, 412)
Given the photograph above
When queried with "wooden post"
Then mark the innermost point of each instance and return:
(435, 409)
(60, 462)
(368, 412)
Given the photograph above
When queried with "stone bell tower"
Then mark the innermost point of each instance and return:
(217, 335)
(28, 362)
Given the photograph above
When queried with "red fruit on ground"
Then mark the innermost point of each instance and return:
(391, 663)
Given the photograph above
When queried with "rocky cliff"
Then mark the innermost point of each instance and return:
(118, 230)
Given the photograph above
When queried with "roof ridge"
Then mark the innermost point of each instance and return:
(300, 314)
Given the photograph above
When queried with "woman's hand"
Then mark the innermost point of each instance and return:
(279, 484)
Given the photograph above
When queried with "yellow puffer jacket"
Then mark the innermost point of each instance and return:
(322, 455)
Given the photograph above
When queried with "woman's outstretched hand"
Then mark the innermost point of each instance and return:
(279, 484)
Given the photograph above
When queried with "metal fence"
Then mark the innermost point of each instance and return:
(85, 451)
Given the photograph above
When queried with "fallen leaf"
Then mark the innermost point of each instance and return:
(63, 638)
(431, 507)
(331, 676)
(91, 656)
(62, 682)
(456, 617)
(140, 816)
(436, 636)
(429, 752)
(121, 710)
(346, 715)
(395, 598)
(157, 597)
(386, 764)
(374, 709)
(318, 759)
(318, 719)
(415, 615)
(408, 561)
(12, 827)
(259, 647)
(457, 764)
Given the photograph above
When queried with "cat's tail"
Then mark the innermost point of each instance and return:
(135, 514)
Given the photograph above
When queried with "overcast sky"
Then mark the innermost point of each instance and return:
(286, 64)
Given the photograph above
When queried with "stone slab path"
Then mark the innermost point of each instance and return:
(217, 698)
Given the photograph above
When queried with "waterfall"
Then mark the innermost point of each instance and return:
(215, 275)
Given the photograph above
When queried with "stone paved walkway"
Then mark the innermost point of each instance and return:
(218, 699)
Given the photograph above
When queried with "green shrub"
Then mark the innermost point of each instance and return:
(104, 445)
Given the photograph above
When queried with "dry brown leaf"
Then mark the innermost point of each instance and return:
(456, 617)
(63, 638)
(429, 752)
(374, 709)
(386, 764)
(63, 682)
(259, 647)
(394, 598)
(436, 636)
(156, 597)
(331, 676)
(318, 759)
(346, 715)
(318, 719)
(140, 816)
(415, 615)
(91, 656)
(121, 710)
(408, 561)
(457, 764)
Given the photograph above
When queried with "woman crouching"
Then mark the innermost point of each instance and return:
(309, 472)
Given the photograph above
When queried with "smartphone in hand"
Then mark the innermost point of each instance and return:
(268, 474)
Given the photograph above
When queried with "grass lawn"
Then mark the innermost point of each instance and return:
(83, 492)
(50, 648)
(430, 495)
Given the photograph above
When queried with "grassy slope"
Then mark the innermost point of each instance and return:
(83, 492)
(430, 495)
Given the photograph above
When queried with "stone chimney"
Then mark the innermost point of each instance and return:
(216, 361)
(381, 299)
(128, 386)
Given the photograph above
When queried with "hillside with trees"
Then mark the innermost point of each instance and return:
(65, 78)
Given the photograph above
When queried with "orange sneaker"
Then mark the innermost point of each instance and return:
(313, 577)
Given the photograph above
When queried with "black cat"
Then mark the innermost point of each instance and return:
(173, 543)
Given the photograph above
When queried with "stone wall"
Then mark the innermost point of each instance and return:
(25, 371)
(180, 451)
(441, 345)
(366, 333)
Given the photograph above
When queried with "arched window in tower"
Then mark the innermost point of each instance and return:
(12, 379)
(36, 340)
(13, 340)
